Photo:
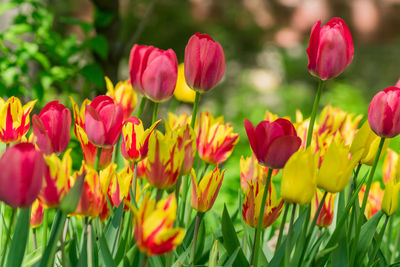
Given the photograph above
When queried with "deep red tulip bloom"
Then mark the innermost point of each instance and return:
(153, 72)
(273, 142)
(52, 128)
(21, 176)
(330, 50)
(204, 62)
(384, 112)
(103, 121)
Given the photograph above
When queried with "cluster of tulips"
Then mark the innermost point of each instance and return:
(148, 208)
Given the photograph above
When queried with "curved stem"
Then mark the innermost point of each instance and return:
(285, 213)
(378, 242)
(141, 107)
(314, 111)
(155, 112)
(289, 236)
(195, 107)
(196, 231)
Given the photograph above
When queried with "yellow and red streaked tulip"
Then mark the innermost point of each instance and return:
(204, 62)
(215, 140)
(164, 160)
(141, 169)
(367, 141)
(252, 203)
(205, 193)
(55, 184)
(337, 167)
(119, 186)
(273, 142)
(14, 119)
(135, 141)
(326, 215)
(21, 176)
(374, 201)
(299, 177)
(391, 167)
(52, 128)
(153, 72)
(390, 201)
(182, 91)
(154, 231)
(384, 112)
(103, 121)
(123, 96)
(330, 49)
(37, 213)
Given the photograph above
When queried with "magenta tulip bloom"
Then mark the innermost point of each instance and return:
(22, 170)
(204, 62)
(273, 142)
(103, 121)
(330, 50)
(153, 72)
(52, 128)
(384, 112)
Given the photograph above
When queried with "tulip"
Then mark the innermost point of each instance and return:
(21, 177)
(182, 91)
(123, 96)
(14, 119)
(135, 139)
(52, 128)
(374, 201)
(273, 142)
(141, 169)
(336, 167)
(154, 231)
(390, 201)
(204, 63)
(384, 112)
(252, 203)
(103, 121)
(299, 177)
(55, 184)
(119, 186)
(153, 72)
(326, 215)
(37, 213)
(215, 140)
(391, 167)
(330, 49)
(205, 193)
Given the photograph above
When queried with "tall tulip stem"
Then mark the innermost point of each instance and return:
(134, 184)
(185, 189)
(195, 107)
(195, 233)
(155, 112)
(314, 111)
(290, 236)
(141, 107)
(285, 213)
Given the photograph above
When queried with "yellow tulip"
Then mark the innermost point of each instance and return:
(390, 202)
(182, 91)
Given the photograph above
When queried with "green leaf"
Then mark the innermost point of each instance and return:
(20, 239)
(112, 232)
(105, 252)
(94, 74)
(99, 45)
(340, 256)
(70, 201)
(232, 258)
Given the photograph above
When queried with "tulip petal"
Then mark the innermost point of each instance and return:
(281, 149)
(94, 126)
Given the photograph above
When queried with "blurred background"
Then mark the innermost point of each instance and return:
(55, 49)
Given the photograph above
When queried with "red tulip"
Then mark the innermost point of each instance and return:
(52, 128)
(330, 50)
(103, 121)
(204, 62)
(273, 142)
(384, 112)
(22, 170)
(153, 72)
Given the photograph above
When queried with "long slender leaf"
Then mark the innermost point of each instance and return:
(112, 233)
(20, 239)
(105, 252)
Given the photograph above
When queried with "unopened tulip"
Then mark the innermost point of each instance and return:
(384, 112)
(153, 72)
(374, 201)
(390, 201)
(252, 172)
(52, 128)
(330, 49)
(154, 231)
(326, 215)
(14, 119)
(37, 213)
(182, 91)
(273, 142)
(206, 191)
(204, 62)
(123, 95)
(215, 140)
(21, 176)
(391, 167)
(252, 203)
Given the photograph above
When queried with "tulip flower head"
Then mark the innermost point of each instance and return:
(118, 189)
(252, 172)
(384, 112)
(204, 63)
(37, 213)
(330, 49)
(182, 91)
(374, 201)
(326, 215)
(123, 96)
(273, 142)
(390, 201)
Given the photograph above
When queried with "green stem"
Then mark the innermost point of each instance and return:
(195, 107)
(134, 184)
(378, 242)
(185, 189)
(97, 162)
(159, 194)
(144, 261)
(141, 107)
(351, 191)
(196, 231)
(34, 239)
(88, 233)
(44, 225)
(155, 112)
(395, 248)
(8, 237)
(254, 245)
(314, 112)
(260, 219)
(289, 236)
(177, 189)
(285, 213)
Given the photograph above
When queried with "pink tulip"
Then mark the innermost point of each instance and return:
(52, 128)
(204, 62)
(384, 112)
(103, 121)
(330, 50)
(153, 72)
(273, 142)
(22, 170)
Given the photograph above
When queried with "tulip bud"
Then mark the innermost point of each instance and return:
(204, 62)
(330, 49)
(52, 128)
(384, 112)
(390, 202)
(21, 176)
(37, 213)
(326, 215)
(123, 96)
(374, 201)
(182, 91)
